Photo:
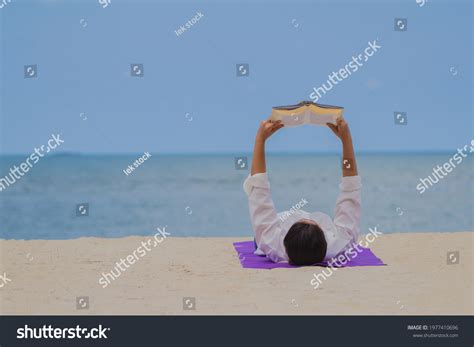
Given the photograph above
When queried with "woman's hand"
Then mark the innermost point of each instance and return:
(268, 128)
(341, 129)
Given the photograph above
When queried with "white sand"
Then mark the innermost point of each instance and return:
(47, 276)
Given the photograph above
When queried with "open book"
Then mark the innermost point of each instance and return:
(307, 112)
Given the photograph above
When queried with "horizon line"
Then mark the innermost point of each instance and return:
(362, 152)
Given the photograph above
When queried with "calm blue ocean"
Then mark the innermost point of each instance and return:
(201, 195)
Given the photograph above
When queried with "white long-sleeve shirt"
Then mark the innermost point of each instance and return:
(270, 230)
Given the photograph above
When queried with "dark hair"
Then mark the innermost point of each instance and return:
(305, 244)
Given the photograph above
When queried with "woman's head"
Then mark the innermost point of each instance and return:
(305, 243)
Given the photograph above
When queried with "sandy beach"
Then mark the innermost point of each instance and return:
(46, 277)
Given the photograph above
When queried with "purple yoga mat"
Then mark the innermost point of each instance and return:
(249, 260)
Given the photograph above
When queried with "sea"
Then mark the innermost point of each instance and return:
(68, 196)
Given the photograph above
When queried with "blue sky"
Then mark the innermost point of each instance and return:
(83, 53)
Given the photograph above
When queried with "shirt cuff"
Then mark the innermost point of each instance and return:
(259, 180)
(350, 183)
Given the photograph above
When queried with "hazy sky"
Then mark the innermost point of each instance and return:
(190, 99)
